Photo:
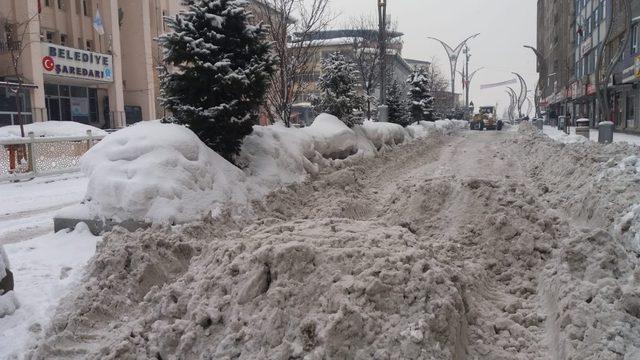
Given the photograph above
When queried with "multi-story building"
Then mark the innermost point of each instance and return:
(342, 41)
(570, 35)
(555, 43)
(77, 71)
(72, 72)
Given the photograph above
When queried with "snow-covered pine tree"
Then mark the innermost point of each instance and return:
(221, 70)
(398, 105)
(421, 100)
(337, 85)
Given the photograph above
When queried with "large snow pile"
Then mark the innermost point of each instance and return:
(161, 173)
(8, 301)
(158, 172)
(51, 129)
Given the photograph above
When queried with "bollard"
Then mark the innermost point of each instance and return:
(383, 113)
(540, 124)
(605, 132)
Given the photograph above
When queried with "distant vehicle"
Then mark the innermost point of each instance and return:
(485, 119)
(302, 114)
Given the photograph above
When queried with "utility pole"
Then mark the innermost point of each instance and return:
(467, 54)
(453, 54)
(382, 17)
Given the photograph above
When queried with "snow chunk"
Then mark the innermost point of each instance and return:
(51, 129)
(160, 173)
(383, 134)
(333, 139)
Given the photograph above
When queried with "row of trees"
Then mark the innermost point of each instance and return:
(339, 94)
(225, 69)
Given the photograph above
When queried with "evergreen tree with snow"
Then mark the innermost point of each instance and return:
(337, 85)
(398, 105)
(421, 100)
(221, 69)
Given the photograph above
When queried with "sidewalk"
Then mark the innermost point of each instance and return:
(554, 133)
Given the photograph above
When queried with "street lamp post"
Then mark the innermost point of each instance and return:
(523, 93)
(453, 54)
(382, 17)
(542, 70)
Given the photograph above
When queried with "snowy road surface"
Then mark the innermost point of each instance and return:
(45, 265)
(27, 207)
(476, 246)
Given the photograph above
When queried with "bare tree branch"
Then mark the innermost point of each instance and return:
(292, 24)
(16, 33)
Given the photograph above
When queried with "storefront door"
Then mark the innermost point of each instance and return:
(71, 103)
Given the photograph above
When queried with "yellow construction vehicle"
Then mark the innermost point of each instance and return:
(485, 119)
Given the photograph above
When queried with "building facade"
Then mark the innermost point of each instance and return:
(570, 35)
(105, 76)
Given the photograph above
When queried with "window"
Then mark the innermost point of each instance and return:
(78, 7)
(89, 45)
(61, 4)
(634, 39)
(63, 39)
(47, 2)
(630, 107)
(50, 35)
(80, 43)
(85, 8)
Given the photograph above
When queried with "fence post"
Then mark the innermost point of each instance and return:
(89, 140)
(31, 165)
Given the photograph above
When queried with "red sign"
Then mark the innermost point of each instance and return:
(48, 63)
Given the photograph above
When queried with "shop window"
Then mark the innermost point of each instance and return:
(64, 91)
(77, 91)
(51, 89)
(630, 107)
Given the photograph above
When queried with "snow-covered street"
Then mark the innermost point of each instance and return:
(27, 207)
(479, 245)
(45, 265)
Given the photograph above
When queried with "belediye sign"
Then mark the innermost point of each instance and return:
(79, 64)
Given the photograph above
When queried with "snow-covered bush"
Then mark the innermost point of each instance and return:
(338, 93)
(158, 172)
(398, 105)
(222, 68)
(8, 301)
(420, 96)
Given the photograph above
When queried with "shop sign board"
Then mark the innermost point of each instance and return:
(68, 62)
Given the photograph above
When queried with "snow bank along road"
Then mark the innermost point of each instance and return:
(488, 245)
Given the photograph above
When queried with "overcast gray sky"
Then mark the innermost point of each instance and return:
(505, 25)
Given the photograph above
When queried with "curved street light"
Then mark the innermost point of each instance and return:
(523, 92)
(453, 54)
(542, 70)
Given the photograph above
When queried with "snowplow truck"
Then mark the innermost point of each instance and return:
(484, 119)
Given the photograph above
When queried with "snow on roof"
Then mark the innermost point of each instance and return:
(51, 129)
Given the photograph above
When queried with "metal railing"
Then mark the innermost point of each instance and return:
(29, 157)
